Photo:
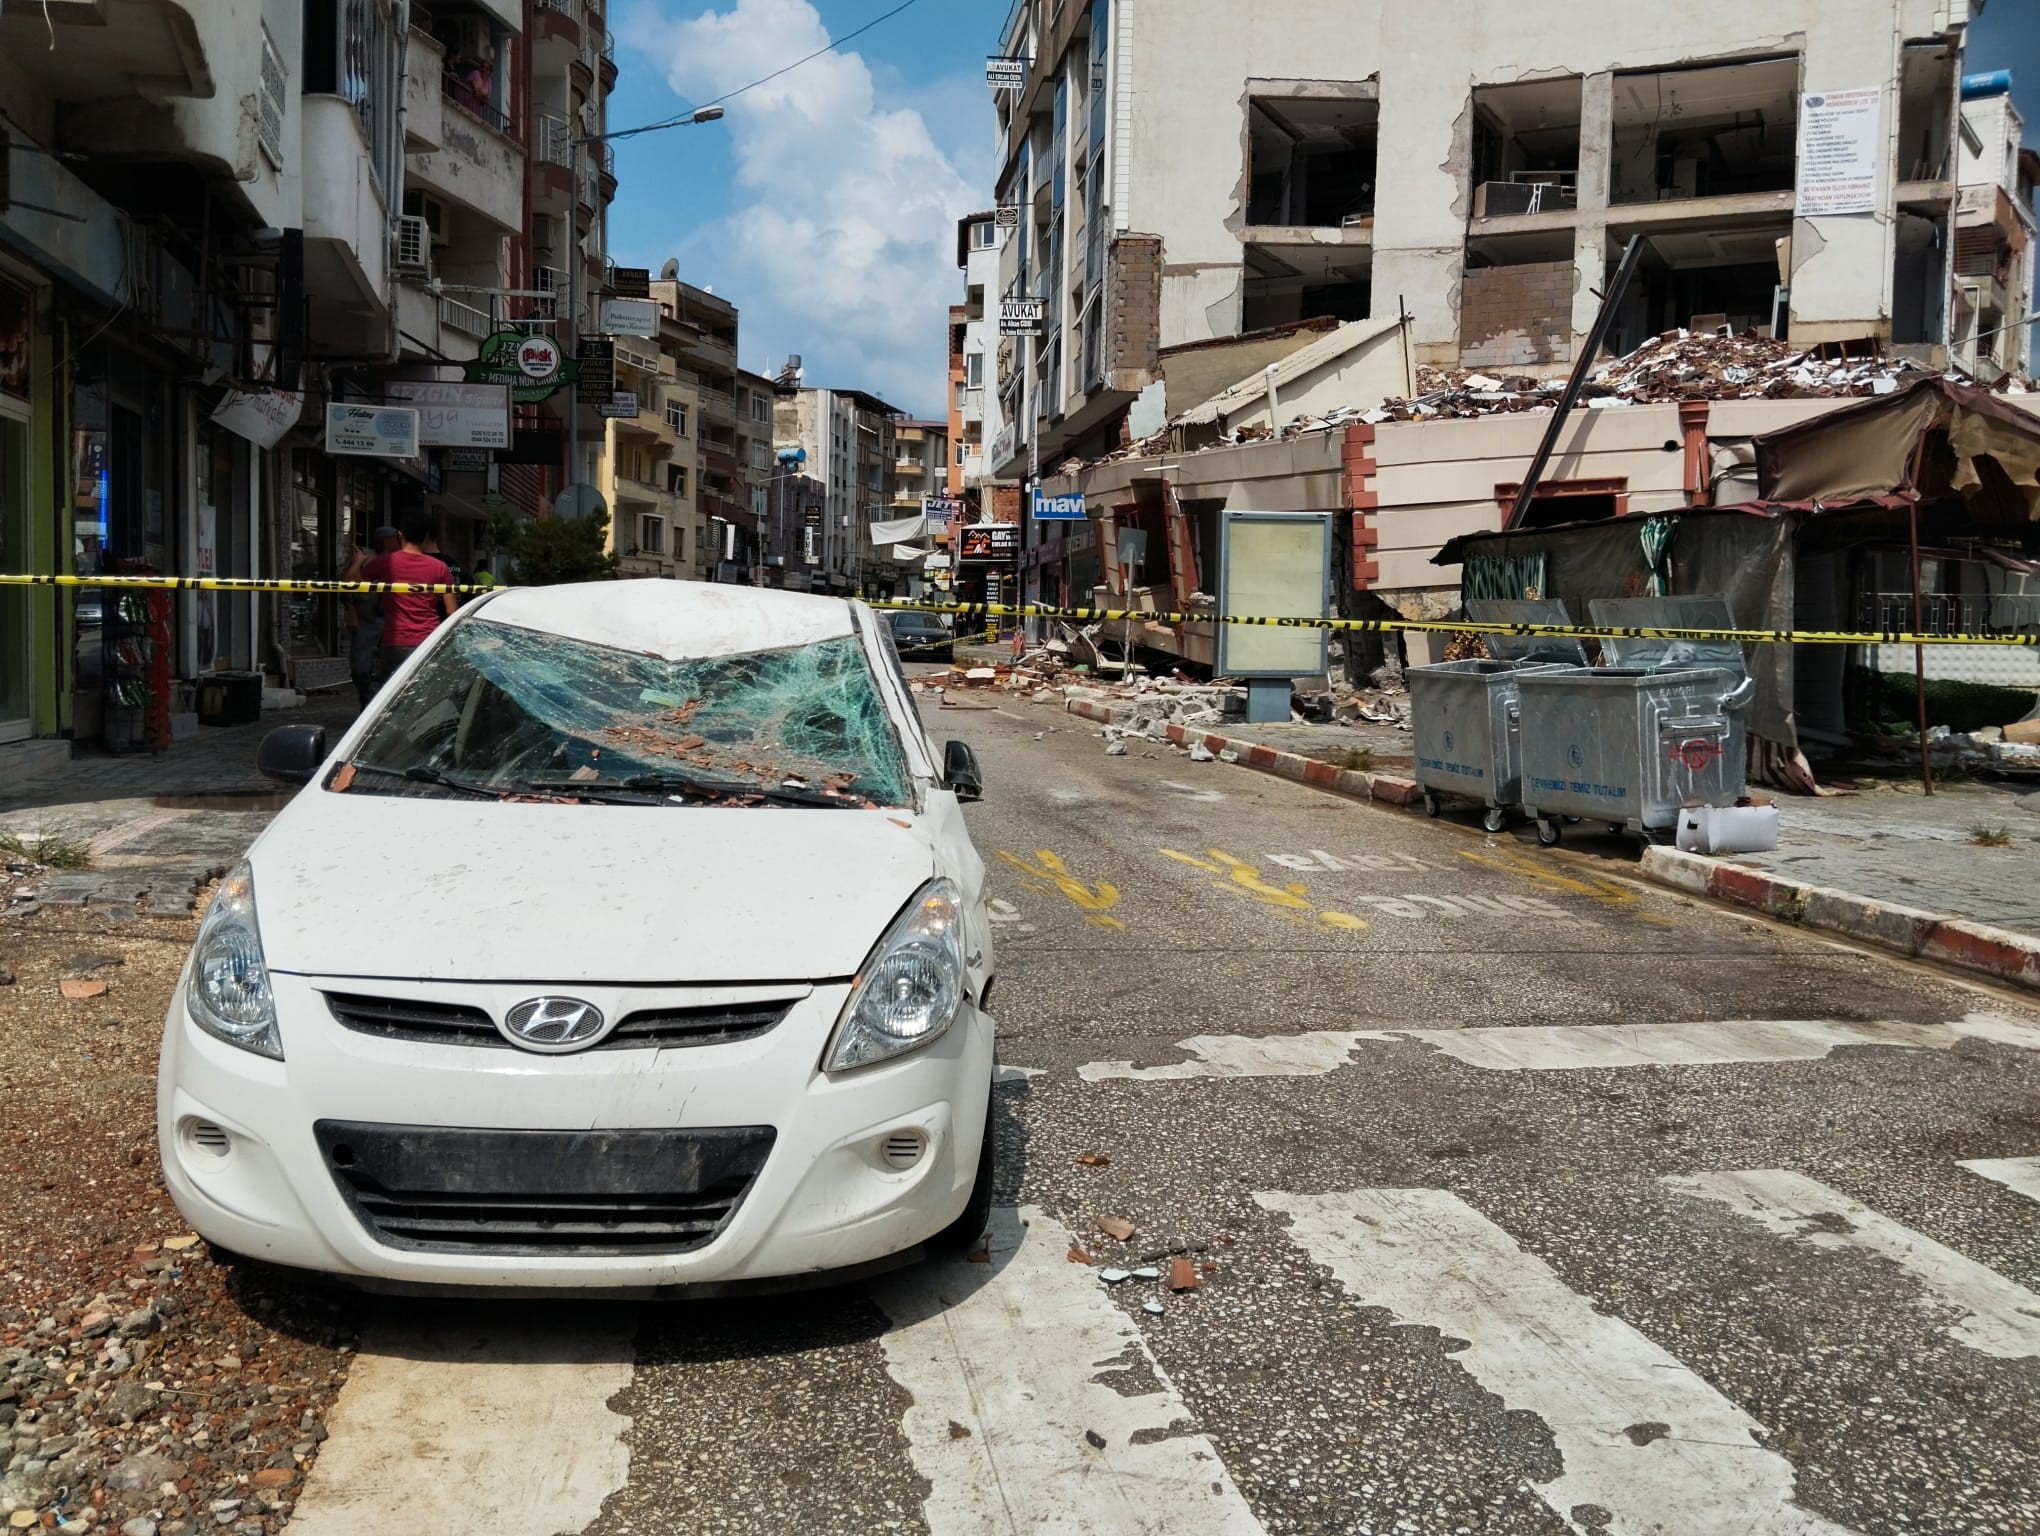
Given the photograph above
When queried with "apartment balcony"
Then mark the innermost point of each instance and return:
(479, 166)
(115, 48)
(346, 231)
(717, 405)
(555, 33)
(424, 117)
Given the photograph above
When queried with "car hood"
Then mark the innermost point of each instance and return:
(446, 889)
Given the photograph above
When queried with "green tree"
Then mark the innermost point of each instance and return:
(546, 550)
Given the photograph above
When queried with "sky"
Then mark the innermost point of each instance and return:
(2007, 36)
(824, 205)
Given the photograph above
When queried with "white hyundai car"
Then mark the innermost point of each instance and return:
(631, 939)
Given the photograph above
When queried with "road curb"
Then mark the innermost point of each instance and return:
(1358, 783)
(1956, 942)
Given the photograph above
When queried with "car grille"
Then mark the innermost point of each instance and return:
(665, 1028)
(542, 1192)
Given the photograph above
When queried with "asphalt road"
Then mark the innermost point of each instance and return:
(1518, 1199)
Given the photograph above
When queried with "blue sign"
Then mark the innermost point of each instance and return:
(1058, 509)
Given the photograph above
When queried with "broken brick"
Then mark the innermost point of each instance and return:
(1117, 1228)
(1092, 1160)
(1078, 1256)
(79, 988)
(1183, 1275)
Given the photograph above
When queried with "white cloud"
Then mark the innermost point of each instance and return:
(841, 240)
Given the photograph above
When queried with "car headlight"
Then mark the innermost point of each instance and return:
(910, 987)
(227, 993)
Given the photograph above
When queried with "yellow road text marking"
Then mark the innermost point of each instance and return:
(1052, 877)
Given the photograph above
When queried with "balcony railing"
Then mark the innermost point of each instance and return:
(553, 140)
(465, 318)
(553, 286)
(463, 94)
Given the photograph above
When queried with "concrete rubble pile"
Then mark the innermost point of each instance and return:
(1678, 365)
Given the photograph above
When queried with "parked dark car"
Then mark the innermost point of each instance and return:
(921, 636)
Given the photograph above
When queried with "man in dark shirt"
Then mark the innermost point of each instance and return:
(410, 617)
(364, 618)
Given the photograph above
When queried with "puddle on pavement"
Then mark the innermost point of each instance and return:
(251, 800)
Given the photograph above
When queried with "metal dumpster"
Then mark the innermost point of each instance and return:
(1659, 727)
(1463, 714)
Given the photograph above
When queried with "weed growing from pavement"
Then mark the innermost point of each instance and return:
(1359, 758)
(51, 847)
(1986, 836)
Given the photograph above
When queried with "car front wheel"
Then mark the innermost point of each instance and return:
(963, 1233)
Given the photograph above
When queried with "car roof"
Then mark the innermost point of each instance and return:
(673, 619)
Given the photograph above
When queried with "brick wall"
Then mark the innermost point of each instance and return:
(1133, 311)
(1516, 316)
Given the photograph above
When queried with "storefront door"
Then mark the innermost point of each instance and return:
(16, 682)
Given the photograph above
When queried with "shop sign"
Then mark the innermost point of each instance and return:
(621, 406)
(1007, 216)
(1057, 509)
(941, 507)
(531, 365)
(1839, 149)
(629, 317)
(598, 371)
(1004, 444)
(1021, 317)
(631, 282)
(1005, 73)
(989, 543)
(379, 431)
(469, 460)
(938, 562)
(455, 415)
(262, 417)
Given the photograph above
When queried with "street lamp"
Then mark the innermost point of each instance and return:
(574, 143)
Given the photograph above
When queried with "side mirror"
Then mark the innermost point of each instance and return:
(960, 771)
(291, 754)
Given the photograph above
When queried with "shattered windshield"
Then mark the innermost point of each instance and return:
(506, 712)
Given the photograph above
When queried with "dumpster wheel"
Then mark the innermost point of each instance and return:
(1431, 806)
(1495, 819)
(1547, 832)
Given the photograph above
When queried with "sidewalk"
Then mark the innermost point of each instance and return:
(1952, 878)
(152, 830)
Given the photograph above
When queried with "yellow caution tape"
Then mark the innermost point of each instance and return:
(981, 612)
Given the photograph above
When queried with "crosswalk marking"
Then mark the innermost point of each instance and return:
(1562, 1047)
(1643, 1438)
(1016, 1423)
(1999, 1318)
(2021, 1175)
(502, 1426)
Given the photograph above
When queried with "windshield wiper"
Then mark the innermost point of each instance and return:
(419, 774)
(737, 789)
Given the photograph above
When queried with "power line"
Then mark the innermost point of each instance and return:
(674, 122)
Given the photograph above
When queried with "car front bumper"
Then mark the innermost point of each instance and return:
(242, 1155)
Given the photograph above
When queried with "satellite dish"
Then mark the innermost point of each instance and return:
(579, 500)
(670, 272)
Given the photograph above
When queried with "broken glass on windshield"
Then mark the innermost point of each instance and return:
(501, 710)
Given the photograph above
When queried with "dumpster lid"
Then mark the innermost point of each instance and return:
(1659, 655)
(1520, 610)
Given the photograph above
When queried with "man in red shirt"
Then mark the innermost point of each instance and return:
(409, 617)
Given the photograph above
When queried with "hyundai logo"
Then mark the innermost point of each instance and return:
(552, 1024)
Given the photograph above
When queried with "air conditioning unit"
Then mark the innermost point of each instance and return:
(425, 206)
(414, 245)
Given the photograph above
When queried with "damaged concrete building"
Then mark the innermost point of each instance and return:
(1202, 169)
(1335, 258)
